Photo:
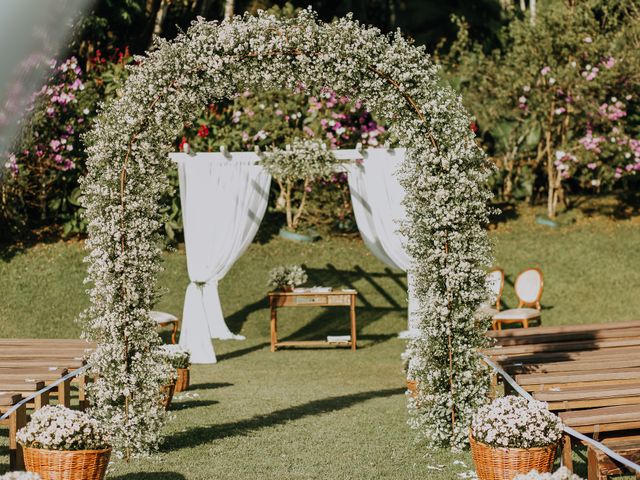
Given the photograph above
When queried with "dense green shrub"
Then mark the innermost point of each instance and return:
(559, 107)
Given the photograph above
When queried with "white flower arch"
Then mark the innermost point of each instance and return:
(444, 176)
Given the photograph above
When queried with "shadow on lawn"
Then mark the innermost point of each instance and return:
(199, 435)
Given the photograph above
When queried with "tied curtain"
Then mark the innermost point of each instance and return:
(376, 196)
(224, 198)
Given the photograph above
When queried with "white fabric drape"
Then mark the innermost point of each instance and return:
(223, 201)
(376, 196)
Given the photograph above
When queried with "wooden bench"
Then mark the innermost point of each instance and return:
(588, 374)
(600, 466)
(16, 421)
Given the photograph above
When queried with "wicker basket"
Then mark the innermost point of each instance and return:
(67, 465)
(167, 395)
(182, 383)
(494, 463)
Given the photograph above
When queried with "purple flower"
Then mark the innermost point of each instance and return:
(545, 70)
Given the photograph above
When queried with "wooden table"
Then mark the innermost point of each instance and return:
(338, 298)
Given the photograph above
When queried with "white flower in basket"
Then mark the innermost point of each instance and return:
(176, 355)
(60, 428)
(515, 422)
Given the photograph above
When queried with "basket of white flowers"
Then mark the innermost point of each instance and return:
(513, 435)
(59, 443)
(180, 359)
(285, 277)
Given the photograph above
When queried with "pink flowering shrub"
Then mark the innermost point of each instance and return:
(44, 166)
(559, 107)
(275, 119)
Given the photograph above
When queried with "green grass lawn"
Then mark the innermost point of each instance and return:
(320, 413)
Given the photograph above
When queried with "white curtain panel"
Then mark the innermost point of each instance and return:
(376, 195)
(224, 198)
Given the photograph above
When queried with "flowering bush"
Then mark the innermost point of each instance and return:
(559, 107)
(304, 160)
(275, 118)
(287, 276)
(516, 422)
(48, 158)
(60, 428)
(177, 356)
(562, 474)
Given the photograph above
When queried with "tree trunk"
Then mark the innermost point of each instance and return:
(160, 16)
(300, 210)
(228, 9)
(532, 7)
(523, 6)
(554, 180)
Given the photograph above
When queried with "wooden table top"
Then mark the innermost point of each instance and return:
(295, 294)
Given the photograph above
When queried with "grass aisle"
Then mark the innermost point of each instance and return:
(302, 414)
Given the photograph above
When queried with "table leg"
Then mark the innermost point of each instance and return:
(352, 315)
(274, 327)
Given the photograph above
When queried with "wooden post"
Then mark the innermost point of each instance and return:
(41, 400)
(274, 324)
(567, 454)
(352, 317)
(83, 403)
(64, 393)
(17, 420)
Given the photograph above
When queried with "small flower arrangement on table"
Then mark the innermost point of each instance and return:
(513, 435)
(180, 359)
(62, 443)
(286, 277)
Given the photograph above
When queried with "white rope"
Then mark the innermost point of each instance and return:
(626, 462)
(72, 374)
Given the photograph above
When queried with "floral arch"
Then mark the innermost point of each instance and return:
(444, 175)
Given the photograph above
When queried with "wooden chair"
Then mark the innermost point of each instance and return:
(495, 283)
(528, 286)
(163, 318)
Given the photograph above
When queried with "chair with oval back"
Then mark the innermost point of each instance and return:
(528, 288)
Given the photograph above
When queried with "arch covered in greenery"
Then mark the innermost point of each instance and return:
(444, 175)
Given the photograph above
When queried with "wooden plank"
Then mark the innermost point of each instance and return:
(538, 378)
(40, 356)
(25, 351)
(544, 387)
(605, 415)
(564, 356)
(523, 332)
(563, 346)
(607, 363)
(592, 403)
(21, 387)
(595, 391)
(45, 362)
(570, 336)
(607, 427)
(44, 341)
(45, 376)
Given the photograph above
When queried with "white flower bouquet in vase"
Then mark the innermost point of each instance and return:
(180, 359)
(513, 435)
(62, 443)
(286, 277)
